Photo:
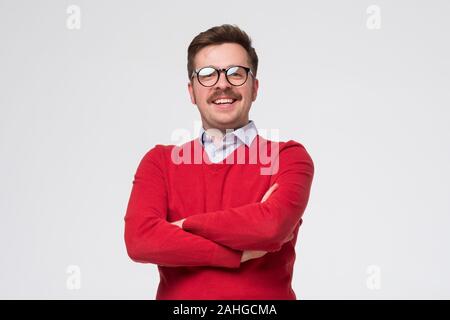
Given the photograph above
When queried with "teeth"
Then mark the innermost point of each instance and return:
(223, 101)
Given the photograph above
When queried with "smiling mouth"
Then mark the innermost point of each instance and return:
(224, 101)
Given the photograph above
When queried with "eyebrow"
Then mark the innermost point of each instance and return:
(216, 67)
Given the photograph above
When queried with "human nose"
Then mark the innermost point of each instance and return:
(222, 82)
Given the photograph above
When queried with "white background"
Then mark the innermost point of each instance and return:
(80, 108)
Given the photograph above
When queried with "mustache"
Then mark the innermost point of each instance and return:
(227, 92)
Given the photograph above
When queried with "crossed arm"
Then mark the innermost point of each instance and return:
(264, 226)
(150, 238)
(247, 254)
(203, 239)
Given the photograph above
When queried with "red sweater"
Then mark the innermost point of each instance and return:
(225, 216)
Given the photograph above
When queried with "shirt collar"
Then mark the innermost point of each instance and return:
(245, 134)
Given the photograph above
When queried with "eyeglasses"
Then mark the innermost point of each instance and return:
(235, 75)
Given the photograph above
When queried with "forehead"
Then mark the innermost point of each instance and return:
(221, 55)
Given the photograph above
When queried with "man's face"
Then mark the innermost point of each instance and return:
(223, 116)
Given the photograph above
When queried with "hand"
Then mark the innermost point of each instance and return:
(290, 238)
(269, 192)
(252, 254)
(179, 223)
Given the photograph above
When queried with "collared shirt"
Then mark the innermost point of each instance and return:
(219, 146)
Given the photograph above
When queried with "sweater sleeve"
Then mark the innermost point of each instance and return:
(263, 226)
(150, 238)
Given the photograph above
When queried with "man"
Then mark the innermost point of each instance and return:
(220, 228)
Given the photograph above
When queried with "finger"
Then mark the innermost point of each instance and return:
(260, 254)
(269, 192)
(290, 237)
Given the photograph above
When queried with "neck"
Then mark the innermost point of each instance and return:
(224, 129)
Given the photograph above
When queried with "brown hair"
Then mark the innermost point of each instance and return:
(225, 33)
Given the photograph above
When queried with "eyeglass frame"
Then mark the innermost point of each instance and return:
(224, 70)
